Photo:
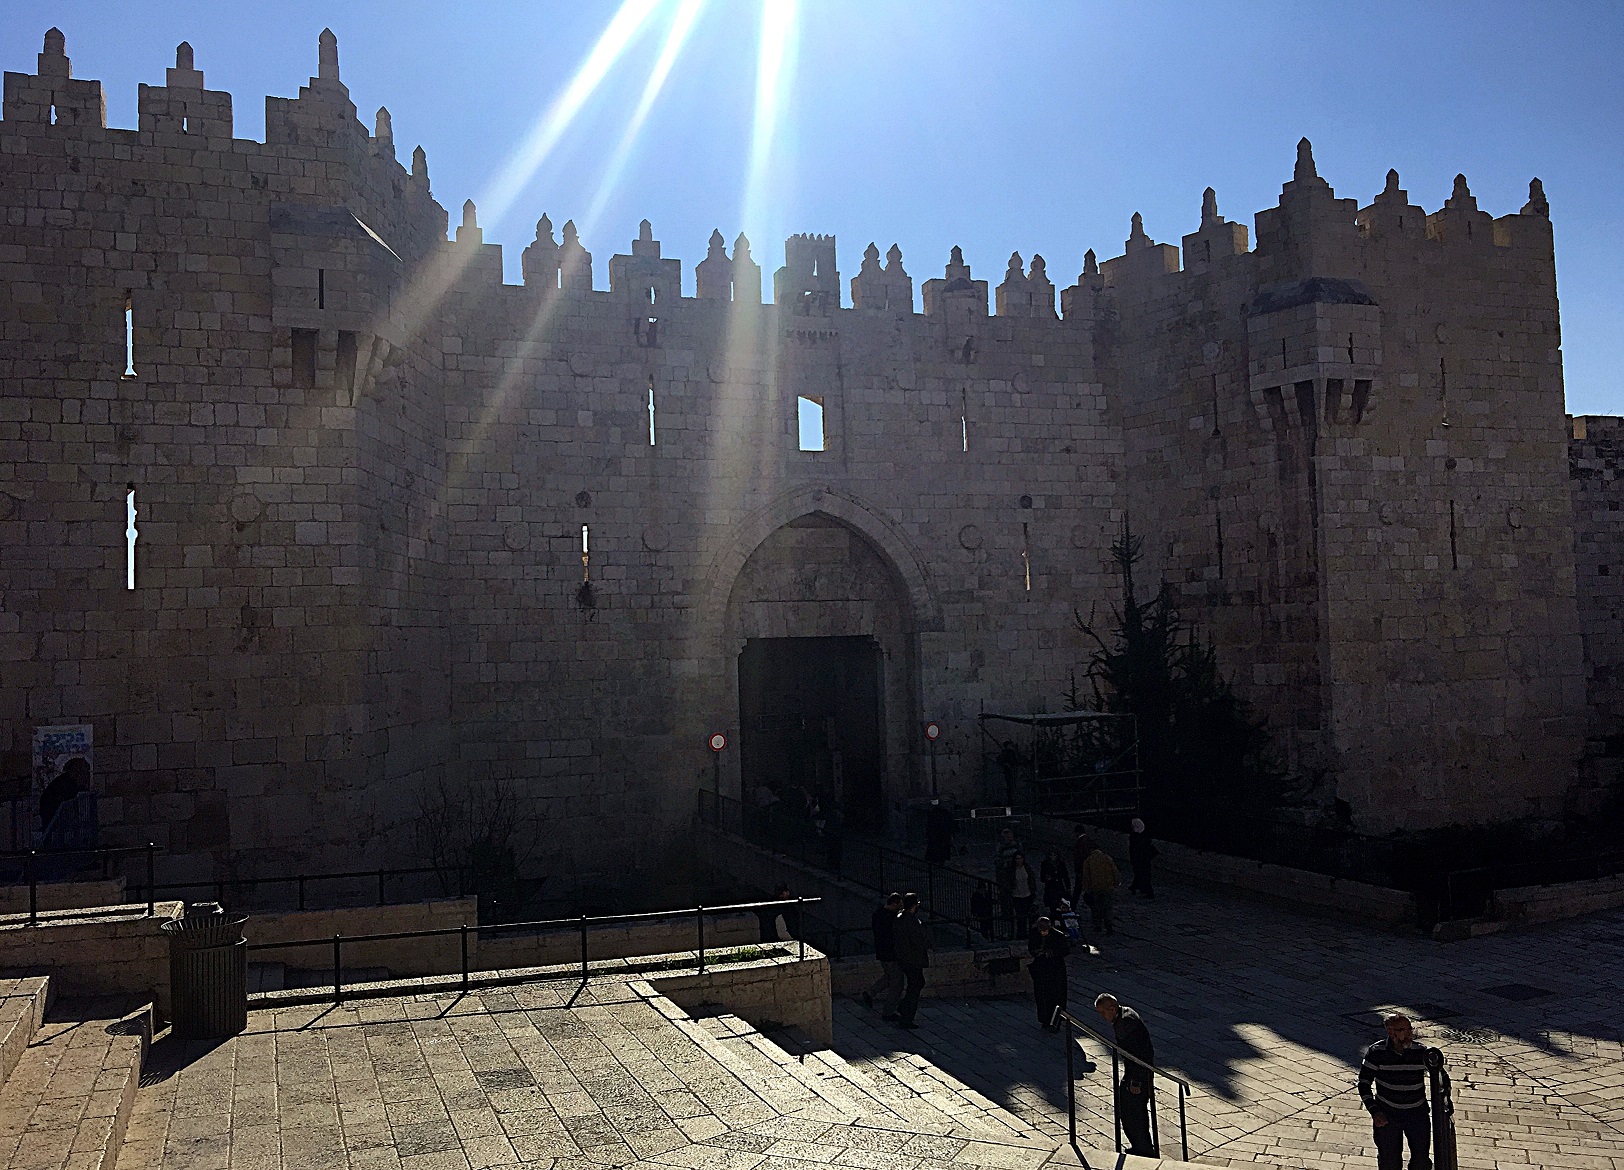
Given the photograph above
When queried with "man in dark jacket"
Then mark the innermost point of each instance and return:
(1141, 852)
(1133, 1089)
(912, 943)
(888, 987)
(1393, 1086)
(1049, 948)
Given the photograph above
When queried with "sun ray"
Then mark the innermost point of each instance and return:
(682, 23)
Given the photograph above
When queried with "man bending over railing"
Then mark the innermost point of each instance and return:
(1133, 1088)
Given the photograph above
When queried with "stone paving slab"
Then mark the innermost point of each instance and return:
(1266, 1011)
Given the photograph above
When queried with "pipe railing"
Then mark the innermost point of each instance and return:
(1118, 1054)
(583, 923)
(33, 858)
(302, 881)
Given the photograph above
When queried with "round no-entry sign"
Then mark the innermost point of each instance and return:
(933, 731)
(717, 741)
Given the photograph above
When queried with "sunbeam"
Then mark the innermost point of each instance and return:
(682, 23)
(775, 73)
(522, 165)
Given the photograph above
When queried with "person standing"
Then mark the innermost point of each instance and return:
(1133, 1088)
(888, 987)
(1004, 869)
(1100, 880)
(912, 944)
(1141, 852)
(1049, 948)
(1023, 889)
(1082, 844)
(1393, 1086)
(1056, 881)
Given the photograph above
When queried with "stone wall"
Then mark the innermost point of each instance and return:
(400, 523)
(790, 990)
(106, 951)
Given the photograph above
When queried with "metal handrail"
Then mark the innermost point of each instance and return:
(300, 880)
(930, 915)
(1118, 1053)
(581, 923)
(31, 858)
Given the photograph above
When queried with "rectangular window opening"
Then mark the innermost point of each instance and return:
(809, 416)
(129, 336)
(321, 288)
(304, 358)
(185, 124)
(53, 113)
(964, 421)
(1026, 556)
(586, 554)
(129, 539)
(651, 412)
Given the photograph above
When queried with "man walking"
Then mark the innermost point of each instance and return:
(888, 987)
(1133, 1087)
(1081, 846)
(1100, 880)
(912, 943)
(1393, 1086)
(1141, 852)
(1049, 948)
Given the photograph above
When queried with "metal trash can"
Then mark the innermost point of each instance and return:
(208, 973)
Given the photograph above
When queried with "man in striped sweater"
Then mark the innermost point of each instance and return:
(1393, 1086)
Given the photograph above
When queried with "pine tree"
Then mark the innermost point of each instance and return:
(1204, 756)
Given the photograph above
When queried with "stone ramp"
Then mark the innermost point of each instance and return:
(68, 1099)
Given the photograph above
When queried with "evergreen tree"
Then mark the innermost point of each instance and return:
(1207, 779)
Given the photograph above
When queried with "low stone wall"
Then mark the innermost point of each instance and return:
(764, 992)
(110, 950)
(64, 896)
(401, 957)
(954, 974)
(656, 937)
(1527, 905)
(1281, 883)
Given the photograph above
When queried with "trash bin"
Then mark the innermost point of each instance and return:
(208, 973)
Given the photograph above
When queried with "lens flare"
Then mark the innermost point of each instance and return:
(682, 23)
(775, 74)
(522, 165)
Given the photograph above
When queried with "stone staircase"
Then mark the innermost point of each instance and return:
(69, 1071)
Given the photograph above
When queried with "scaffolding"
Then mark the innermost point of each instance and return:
(1079, 764)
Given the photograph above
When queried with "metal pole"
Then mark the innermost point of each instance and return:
(699, 921)
(1116, 1113)
(465, 958)
(1184, 1134)
(800, 926)
(1071, 1078)
(933, 768)
(1150, 1103)
(33, 890)
(152, 889)
(583, 948)
(338, 979)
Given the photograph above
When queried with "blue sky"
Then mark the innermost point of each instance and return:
(999, 126)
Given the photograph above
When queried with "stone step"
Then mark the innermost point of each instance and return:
(22, 1011)
(68, 1100)
(909, 1082)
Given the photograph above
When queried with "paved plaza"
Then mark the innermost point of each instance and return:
(1265, 1011)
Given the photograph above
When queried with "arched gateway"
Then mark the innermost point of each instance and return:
(820, 631)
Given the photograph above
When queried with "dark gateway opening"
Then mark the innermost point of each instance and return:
(810, 719)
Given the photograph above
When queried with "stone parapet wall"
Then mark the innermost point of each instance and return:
(402, 957)
(111, 950)
(63, 895)
(615, 941)
(790, 990)
(1527, 905)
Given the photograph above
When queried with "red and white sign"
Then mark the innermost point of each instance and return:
(717, 741)
(933, 731)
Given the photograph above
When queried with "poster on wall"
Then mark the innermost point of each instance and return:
(55, 749)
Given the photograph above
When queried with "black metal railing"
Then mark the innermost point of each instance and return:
(37, 866)
(1118, 1054)
(948, 896)
(366, 887)
(583, 924)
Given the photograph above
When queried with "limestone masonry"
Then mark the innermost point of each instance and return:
(398, 521)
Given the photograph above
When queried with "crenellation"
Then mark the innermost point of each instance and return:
(366, 468)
